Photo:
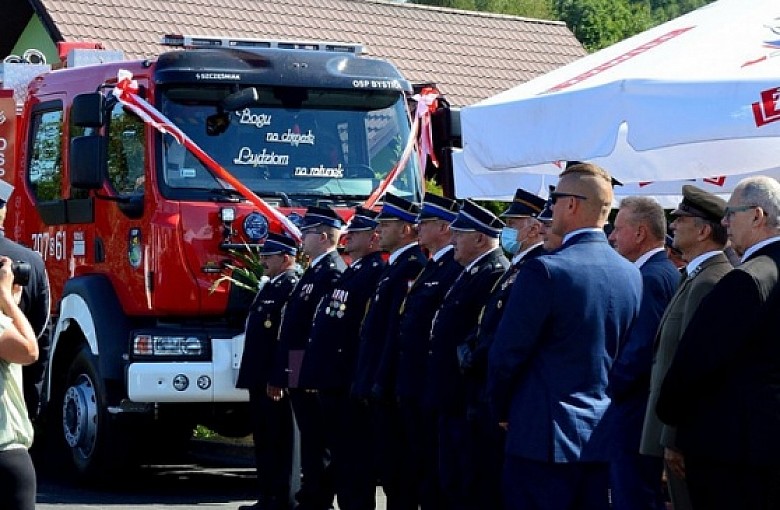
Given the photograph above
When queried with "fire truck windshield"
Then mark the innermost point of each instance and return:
(307, 145)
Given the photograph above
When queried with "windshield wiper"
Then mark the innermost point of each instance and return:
(226, 195)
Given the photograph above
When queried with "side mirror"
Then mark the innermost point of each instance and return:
(88, 110)
(86, 162)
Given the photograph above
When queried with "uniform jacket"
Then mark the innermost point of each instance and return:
(455, 319)
(317, 281)
(415, 320)
(656, 435)
(723, 387)
(333, 344)
(629, 379)
(482, 337)
(567, 315)
(262, 331)
(375, 365)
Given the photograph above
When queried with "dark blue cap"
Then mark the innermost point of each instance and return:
(363, 220)
(546, 214)
(525, 204)
(276, 244)
(397, 208)
(316, 216)
(475, 218)
(435, 207)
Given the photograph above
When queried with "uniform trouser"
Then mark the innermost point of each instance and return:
(489, 439)
(388, 438)
(349, 436)
(717, 485)
(316, 483)
(535, 485)
(420, 456)
(457, 463)
(636, 481)
(17, 480)
(272, 431)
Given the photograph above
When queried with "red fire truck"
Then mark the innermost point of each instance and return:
(135, 228)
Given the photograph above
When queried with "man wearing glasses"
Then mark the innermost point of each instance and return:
(722, 389)
(701, 238)
(568, 315)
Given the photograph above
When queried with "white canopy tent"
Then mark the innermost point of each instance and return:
(696, 97)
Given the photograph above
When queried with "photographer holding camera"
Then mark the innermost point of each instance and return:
(34, 303)
(18, 346)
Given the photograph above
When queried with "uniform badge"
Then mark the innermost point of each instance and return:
(268, 323)
(474, 270)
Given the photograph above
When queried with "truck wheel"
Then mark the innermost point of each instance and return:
(85, 420)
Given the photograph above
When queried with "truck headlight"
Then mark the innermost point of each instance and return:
(169, 346)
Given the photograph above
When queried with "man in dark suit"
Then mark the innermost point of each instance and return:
(521, 238)
(378, 355)
(721, 390)
(420, 460)
(321, 230)
(475, 237)
(639, 233)
(700, 238)
(272, 426)
(567, 316)
(35, 305)
(329, 365)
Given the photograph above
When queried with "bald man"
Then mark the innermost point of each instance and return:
(568, 314)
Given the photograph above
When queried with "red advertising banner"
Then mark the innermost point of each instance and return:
(7, 135)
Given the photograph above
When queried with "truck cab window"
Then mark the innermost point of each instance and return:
(45, 168)
(126, 152)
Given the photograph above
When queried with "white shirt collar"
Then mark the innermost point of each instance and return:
(519, 256)
(701, 259)
(750, 251)
(397, 253)
(579, 231)
(320, 257)
(439, 254)
(476, 260)
(646, 256)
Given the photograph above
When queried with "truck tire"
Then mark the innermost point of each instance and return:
(86, 423)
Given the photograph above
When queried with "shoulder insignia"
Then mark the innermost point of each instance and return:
(474, 270)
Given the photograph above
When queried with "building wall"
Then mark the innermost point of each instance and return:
(35, 36)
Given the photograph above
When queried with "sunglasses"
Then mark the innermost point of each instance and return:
(555, 195)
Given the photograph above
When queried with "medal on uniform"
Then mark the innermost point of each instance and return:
(268, 323)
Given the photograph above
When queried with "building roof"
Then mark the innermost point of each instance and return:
(469, 55)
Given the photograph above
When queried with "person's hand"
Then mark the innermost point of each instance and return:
(675, 462)
(7, 295)
(504, 425)
(274, 393)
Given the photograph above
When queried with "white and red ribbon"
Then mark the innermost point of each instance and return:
(126, 91)
(427, 102)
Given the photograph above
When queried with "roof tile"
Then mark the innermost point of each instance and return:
(470, 55)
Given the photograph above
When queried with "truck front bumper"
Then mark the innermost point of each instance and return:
(190, 381)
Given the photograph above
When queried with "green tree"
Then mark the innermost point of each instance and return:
(600, 23)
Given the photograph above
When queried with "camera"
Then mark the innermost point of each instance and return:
(21, 271)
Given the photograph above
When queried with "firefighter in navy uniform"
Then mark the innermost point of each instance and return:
(272, 425)
(419, 450)
(475, 237)
(522, 239)
(375, 373)
(321, 230)
(329, 365)
(34, 304)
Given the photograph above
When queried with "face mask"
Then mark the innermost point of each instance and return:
(509, 240)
